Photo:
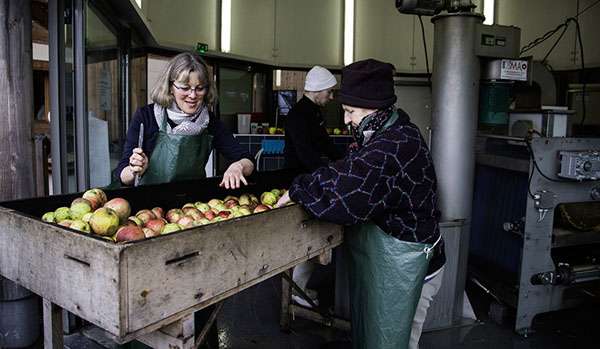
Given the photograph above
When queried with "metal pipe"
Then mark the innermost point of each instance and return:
(456, 75)
(81, 116)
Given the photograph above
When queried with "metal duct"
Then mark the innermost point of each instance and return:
(456, 76)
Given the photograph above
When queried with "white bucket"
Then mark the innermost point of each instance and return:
(243, 125)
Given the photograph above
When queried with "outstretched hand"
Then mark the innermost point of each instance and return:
(233, 176)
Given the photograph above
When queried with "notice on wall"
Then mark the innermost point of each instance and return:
(104, 89)
(514, 69)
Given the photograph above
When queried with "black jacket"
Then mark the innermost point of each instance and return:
(306, 138)
(390, 180)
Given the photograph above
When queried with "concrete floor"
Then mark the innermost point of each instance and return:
(250, 320)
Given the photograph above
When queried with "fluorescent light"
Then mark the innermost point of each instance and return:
(348, 32)
(278, 77)
(225, 25)
(488, 11)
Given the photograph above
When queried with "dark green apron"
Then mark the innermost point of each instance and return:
(385, 278)
(177, 157)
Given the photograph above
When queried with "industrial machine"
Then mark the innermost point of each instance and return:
(528, 204)
(535, 242)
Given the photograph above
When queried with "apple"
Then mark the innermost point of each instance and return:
(96, 197)
(188, 209)
(254, 199)
(158, 212)
(121, 208)
(224, 214)
(214, 202)
(185, 222)
(86, 217)
(145, 215)
(62, 213)
(104, 221)
(276, 192)
(79, 207)
(80, 225)
(231, 203)
(66, 222)
(48, 217)
(244, 200)
(174, 214)
(156, 224)
(337, 131)
(196, 215)
(268, 198)
(261, 208)
(210, 215)
(201, 221)
(229, 197)
(133, 220)
(201, 206)
(219, 207)
(129, 233)
(150, 233)
(244, 210)
(170, 228)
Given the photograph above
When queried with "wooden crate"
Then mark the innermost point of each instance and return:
(135, 288)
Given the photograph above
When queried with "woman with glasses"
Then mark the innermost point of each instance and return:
(180, 130)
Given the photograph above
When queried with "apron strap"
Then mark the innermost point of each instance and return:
(429, 250)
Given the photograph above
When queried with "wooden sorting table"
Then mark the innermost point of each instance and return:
(148, 290)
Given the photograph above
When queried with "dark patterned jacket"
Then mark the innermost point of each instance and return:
(389, 180)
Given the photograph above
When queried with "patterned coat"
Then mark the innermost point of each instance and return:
(389, 180)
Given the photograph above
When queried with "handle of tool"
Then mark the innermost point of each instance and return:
(136, 180)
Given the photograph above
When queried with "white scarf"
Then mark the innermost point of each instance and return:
(185, 125)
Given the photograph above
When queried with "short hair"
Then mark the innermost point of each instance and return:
(180, 67)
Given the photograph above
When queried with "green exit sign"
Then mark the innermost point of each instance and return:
(201, 47)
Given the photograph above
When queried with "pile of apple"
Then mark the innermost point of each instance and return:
(112, 219)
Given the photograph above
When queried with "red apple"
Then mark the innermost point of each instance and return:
(174, 214)
(129, 233)
(261, 208)
(156, 224)
(121, 208)
(224, 214)
(231, 203)
(145, 216)
(196, 215)
(188, 209)
(96, 197)
(158, 212)
(210, 215)
(185, 222)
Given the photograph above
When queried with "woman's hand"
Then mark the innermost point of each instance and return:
(138, 161)
(236, 173)
(283, 200)
(138, 164)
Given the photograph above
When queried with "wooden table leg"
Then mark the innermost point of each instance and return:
(53, 326)
(286, 299)
(208, 324)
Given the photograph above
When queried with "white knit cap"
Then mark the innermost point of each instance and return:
(319, 79)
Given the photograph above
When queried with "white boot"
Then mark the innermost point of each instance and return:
(300, 276)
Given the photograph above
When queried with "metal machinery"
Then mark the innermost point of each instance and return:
(462, 45)
(510, 193)
(522, 248)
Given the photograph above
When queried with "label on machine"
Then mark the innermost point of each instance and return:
(580, 165)
(513, 69)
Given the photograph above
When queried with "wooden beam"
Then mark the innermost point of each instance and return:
(53, 326)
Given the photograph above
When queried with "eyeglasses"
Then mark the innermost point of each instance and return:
(188, 90)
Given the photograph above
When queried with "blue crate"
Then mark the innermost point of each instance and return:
(273, 146)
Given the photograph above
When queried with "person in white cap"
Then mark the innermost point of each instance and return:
(306, 141)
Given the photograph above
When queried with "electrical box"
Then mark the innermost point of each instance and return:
(580, 165)
(498, 41)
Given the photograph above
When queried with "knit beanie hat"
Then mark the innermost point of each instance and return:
(319, 79)
(368, 84)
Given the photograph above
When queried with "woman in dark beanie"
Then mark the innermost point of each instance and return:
(384, 191)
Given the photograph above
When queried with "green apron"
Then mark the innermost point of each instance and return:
(177, 157)
(385, 279)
